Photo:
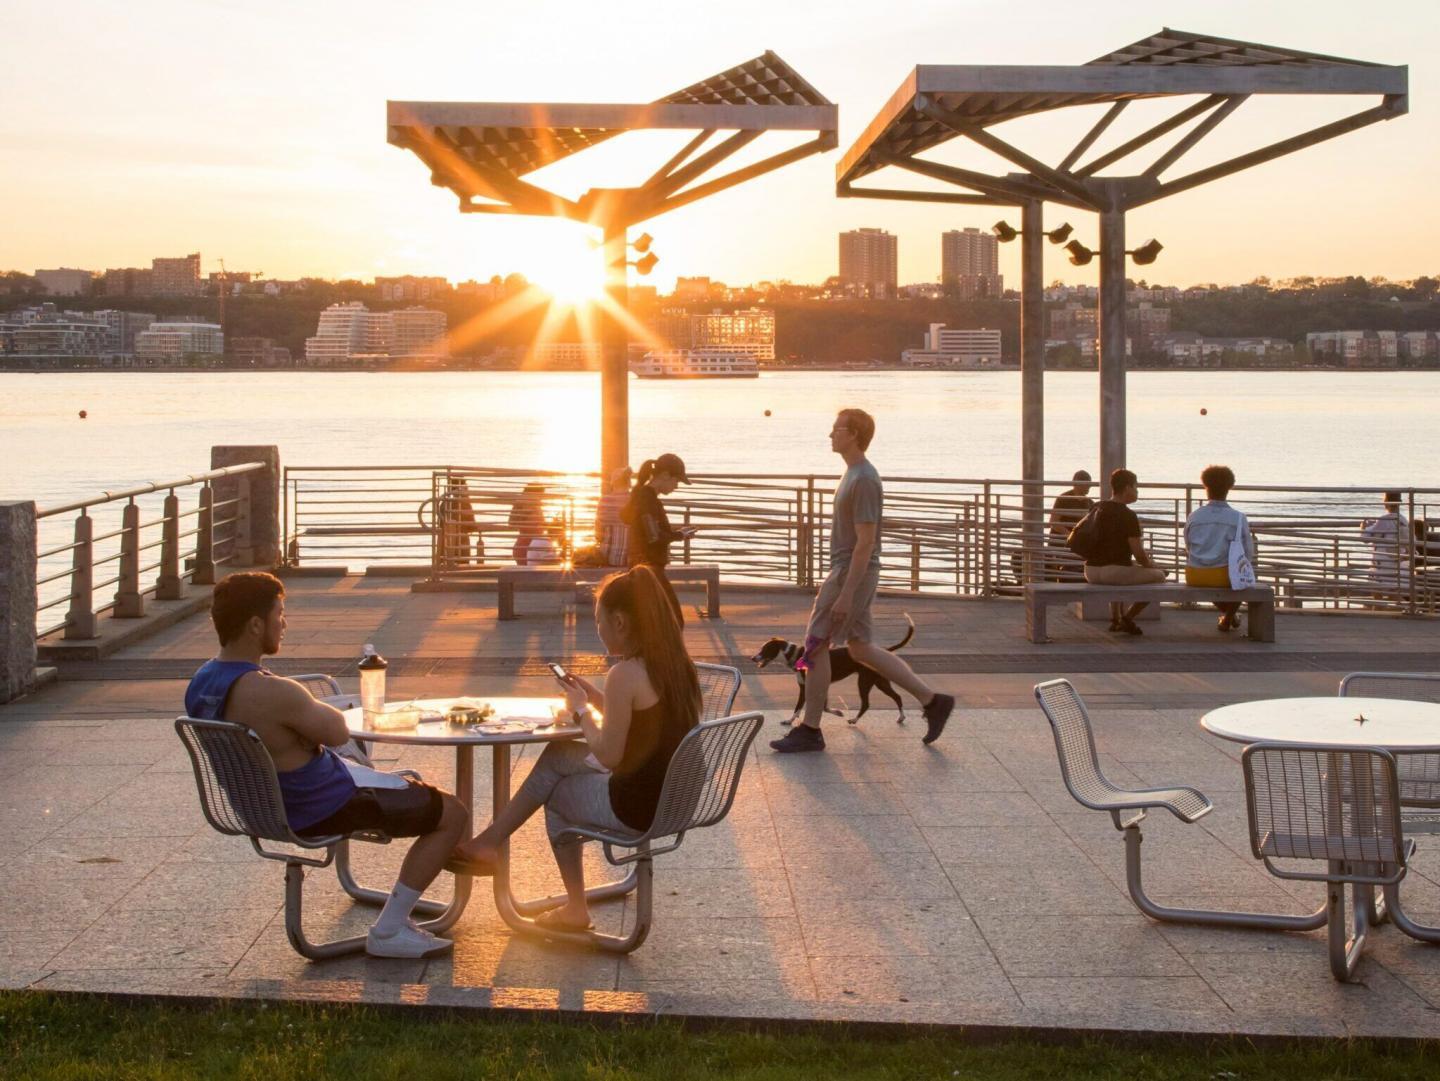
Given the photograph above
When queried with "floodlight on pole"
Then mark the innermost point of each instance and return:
(1146, 253)
(642, 243)
(1005, 232)
(646, 263)
(1080, 255)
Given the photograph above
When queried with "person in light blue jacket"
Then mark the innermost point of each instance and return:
(1209, 532)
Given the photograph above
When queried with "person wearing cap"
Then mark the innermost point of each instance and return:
(650, 531)
(1065, 514)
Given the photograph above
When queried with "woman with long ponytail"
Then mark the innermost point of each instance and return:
(650, 531)
(650, 699)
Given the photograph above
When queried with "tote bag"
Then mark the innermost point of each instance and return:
(1242, 571)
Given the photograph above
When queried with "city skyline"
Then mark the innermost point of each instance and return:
(275, 158)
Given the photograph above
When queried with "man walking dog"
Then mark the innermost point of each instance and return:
(842, 607)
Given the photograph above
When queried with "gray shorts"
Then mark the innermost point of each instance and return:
(858, 626)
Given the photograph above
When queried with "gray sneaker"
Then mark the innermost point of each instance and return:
(801, 737)
(410, 941)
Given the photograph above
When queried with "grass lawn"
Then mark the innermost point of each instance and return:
(75, 1037)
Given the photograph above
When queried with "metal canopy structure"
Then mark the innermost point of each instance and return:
(937, 104)
(483, 151)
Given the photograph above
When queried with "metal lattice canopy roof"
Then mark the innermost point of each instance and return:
(481, 150)
(938, 103)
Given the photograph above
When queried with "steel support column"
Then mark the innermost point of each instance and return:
(614, 372)
(1112, 344)
(1032, 384)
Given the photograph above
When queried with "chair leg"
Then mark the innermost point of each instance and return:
(1346, 938)
(1262, 921)
(603, 892)
(368, 895)
(294, 926)
(1402, 919)
(641, 880)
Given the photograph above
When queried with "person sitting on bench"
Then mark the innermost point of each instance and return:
(1118, 547)
(322, 798)
(1209, 531)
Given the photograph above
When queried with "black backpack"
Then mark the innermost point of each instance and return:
(1084, 539)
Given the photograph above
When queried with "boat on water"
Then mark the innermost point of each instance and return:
(695, 364)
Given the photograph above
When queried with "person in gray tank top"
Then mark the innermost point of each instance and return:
(842, 607)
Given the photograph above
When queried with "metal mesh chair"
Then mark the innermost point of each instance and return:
(719, 684)
(699, 790)
(1339, 805)
(1419, 773)
(1080, 767)
(240, 796)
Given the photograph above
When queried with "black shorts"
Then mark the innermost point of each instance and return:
(411, 811)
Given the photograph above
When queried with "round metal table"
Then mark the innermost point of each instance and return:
(1397, 725)
(515, 721)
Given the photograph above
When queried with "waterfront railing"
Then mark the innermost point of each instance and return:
(962, 537)
(147, 542)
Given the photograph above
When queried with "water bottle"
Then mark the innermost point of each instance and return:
(372, 685)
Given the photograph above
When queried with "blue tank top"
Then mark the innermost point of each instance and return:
(311, 793)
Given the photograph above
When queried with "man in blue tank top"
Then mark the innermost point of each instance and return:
(321, 798)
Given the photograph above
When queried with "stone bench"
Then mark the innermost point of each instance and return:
(510, 580)
(1259, 602)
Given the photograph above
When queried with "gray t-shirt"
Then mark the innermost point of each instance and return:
(859, 498)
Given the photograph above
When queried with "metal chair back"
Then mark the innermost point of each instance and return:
(704, 774)
(719, 684)
(1419, 772)
(1336, 804)
(235, 777)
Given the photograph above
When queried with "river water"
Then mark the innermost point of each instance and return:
(1278, 428)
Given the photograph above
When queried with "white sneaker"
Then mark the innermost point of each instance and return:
(409, 941)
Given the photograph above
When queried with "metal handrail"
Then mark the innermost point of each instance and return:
(146, 489)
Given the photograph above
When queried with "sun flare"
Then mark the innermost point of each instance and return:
(573, 274)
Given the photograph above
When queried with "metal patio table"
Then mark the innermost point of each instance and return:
(1396, 725)
(528, 713)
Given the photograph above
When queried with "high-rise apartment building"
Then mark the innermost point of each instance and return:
(869, 262)
(418, 333)
(64, 282)
(123, 328)
(128, 282)
(970, 264)
(176, 277)
(171, 343)
(410, 287)
(350, 331)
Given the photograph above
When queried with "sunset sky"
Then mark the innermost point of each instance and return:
(256, 132)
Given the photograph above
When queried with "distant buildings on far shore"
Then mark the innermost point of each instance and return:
(350, 333)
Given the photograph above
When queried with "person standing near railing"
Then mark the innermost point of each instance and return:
(650, 531)
(611, 536)
(1389, 539)
(842, 606)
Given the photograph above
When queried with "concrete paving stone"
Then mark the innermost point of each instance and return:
(199, 939)
(212, 886)
(867, 927)
(1076, 945)
(183, 980)
(1101, 995)
(120, 855)
(17, 842)
(1000, 846)
(56, 896)
(1291, 985)
(808, 768)
(1399, 953)
(709, 951)
(969, 810)
(789, 797)
(1192, 941)
(132, 754)
(505, 959)
(958, 982)
(721, 892)
(916, 876)
(1021, 891)
(853, 837)
(271, 957)
(142, 821)
(948, 767)
(1425, 983)
(24, 952)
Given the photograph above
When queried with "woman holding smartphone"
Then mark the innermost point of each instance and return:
(651, 698)
(650, 531)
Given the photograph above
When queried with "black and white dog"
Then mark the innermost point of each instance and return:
(842, 666)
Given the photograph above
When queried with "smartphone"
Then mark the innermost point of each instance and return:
(559, 673)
